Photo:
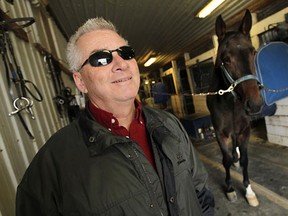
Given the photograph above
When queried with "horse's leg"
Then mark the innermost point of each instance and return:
(243, 141)
(235, 152)
(227, 161)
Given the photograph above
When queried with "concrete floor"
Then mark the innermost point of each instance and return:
(268, 171)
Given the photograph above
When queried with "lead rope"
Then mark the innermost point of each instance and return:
(219, 92)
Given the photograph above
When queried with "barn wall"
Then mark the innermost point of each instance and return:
(16, 148)
(277, 125)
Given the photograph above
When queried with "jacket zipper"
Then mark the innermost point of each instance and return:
(147, 177)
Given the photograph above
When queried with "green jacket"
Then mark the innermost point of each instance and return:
(84, 170)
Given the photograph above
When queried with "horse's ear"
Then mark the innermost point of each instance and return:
(220, 27)
(246, 23)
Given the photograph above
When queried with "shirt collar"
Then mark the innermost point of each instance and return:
(106, 119)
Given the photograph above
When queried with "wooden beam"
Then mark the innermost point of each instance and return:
(43, 51)
(13, 26)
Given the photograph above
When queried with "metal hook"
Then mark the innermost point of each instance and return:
(230, 89)
(19, 105)
(22, 103)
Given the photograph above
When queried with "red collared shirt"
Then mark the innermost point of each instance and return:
(137, 131)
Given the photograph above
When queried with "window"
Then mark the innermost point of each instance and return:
(202, 73)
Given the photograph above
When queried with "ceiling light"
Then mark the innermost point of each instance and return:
(209, 8)
(150, 61)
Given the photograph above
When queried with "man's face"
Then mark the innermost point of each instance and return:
(111, 84)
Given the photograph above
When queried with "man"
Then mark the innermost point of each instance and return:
(118, 158)
(160, 94)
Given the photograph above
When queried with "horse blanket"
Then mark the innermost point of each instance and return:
(272, 70)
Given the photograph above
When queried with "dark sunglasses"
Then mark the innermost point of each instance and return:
(104, 57)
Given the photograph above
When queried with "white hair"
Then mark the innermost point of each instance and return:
(73, 54)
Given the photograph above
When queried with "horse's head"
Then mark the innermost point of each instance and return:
(235, 57)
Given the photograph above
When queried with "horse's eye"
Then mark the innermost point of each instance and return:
(226, 60)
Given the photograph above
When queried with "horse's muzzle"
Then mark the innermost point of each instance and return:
(253, 107)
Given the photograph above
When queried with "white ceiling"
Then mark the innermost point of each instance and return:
(167, 28)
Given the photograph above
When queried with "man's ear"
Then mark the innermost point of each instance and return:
(79, 82)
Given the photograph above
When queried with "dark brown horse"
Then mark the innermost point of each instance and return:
(230, 112)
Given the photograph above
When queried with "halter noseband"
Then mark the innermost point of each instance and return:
(233, 82)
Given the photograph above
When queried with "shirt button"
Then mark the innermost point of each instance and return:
(113, 120)
(141, 122)
(127, 137)
(109, 129)
(172, 199)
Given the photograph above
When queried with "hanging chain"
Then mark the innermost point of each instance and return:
(274, 90)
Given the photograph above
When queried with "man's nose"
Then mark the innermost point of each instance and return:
(118, 62)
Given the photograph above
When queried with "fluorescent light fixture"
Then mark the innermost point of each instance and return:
(150, 61)
(209, 8)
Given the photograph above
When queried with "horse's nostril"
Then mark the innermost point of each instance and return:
(248, 106)
(252, 107)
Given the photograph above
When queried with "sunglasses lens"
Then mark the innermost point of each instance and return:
(126, 52)
(100, 58)
(104, 57)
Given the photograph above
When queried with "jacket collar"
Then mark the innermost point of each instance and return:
(96, 137)
(153, 117)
